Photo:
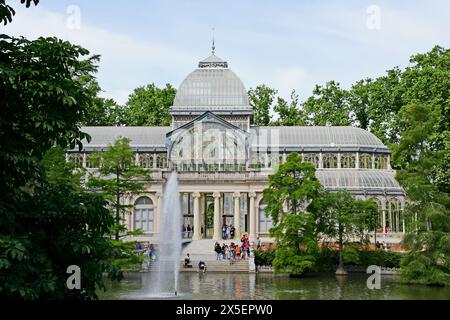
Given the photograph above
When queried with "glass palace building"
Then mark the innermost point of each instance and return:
(223, 161)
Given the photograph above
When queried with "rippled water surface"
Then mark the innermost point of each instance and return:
(220, 286)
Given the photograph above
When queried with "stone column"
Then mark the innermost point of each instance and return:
(197, 221)
(252, 213)
(357, 160)
(136, 158)
(154, 160)
(158, 216)
(217, 225)
(373, 161)
(237, 216)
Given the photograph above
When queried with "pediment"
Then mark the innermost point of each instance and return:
(206, 118)
(207, 126)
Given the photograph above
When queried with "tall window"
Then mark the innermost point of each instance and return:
(380, 212)
(395, 217)
(330, 160)
(312, 157)
(365, 160)
(380, 161)
(161, 161)
(76, 157)
(143, 214)
(265, 223)
(348, 160)
(146, 160)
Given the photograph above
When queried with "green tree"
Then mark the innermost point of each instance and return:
(57, 225)
(7, 12)
(261, 99)
(374, 105)
(344, 218)
(102, 111)
(292, 188)
(117, 176)
(43, 100)
(296, 244)
(367, 218)
(289, 114)
(418, 156)
(327, 105)
(149, 106)
(291, 202)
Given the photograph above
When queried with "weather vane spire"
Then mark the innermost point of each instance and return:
(213, 46)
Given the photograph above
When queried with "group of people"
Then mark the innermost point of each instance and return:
(228, 231)
(234, 251)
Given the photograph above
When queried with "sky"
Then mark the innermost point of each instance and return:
(285, 44)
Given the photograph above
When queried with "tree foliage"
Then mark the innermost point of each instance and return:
(7, 12)
(327, 106)
(149, 106)
(292, 188)
(47, 221)
(57, 225)
(117, 176)
(43, 98)
(289, 113)
(102, 111)
(261, 99)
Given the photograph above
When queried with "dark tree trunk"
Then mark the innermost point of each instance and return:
(340, 270)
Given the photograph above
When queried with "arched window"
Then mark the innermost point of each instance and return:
(380, 212)
(265, 223)
(395, 216)
(312, 157)
(76, 157)
(348, 160)
(146, 160)
(161, 161)
(365, 160)
(330, 160)
(143, 214)
(380, 161)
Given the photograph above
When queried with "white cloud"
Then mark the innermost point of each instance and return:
(125, 63)
(285, 80)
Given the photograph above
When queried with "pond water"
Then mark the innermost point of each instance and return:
(221, 286)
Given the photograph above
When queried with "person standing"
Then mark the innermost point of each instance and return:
(224, 231)
(218, 250)
(189, 230)
(258, 243)
(232, 230)
(228, 232)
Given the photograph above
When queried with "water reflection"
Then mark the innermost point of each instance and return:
(221, 286)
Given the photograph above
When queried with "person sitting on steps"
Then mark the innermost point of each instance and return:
(187, 261)
(201, 266)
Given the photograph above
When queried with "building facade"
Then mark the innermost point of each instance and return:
(223, 161)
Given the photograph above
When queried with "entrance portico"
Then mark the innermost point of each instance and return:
(236, 208)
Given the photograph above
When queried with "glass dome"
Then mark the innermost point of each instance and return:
(211, 85)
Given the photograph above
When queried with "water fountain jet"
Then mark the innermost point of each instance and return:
(164, 277)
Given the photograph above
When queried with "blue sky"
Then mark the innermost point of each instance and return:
(284, 44)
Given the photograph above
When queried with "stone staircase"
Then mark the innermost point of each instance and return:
(203, 250)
